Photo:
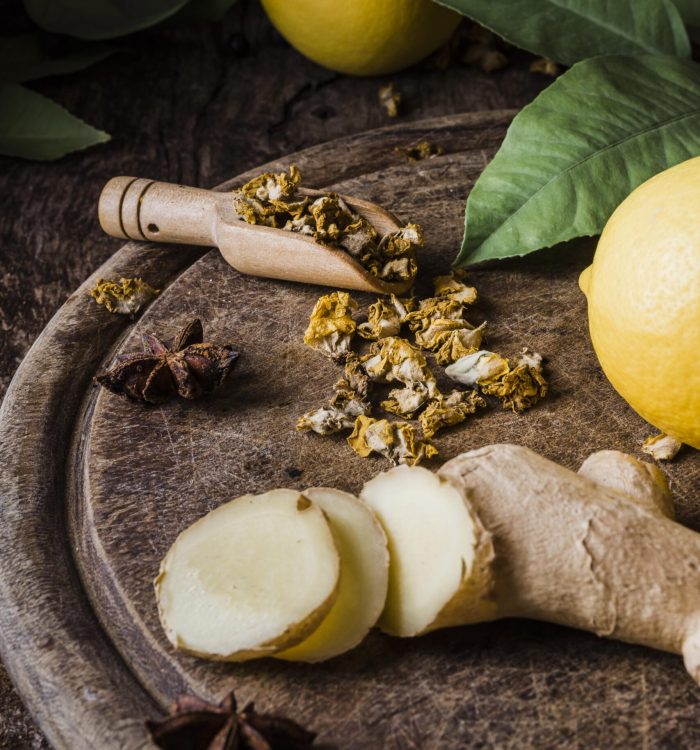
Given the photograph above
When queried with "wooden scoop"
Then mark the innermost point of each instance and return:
(138, 209)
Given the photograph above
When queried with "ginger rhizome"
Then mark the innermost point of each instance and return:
(497, 532)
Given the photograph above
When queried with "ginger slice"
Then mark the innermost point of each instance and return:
(440, 553)
(254, 576)
(364, 577)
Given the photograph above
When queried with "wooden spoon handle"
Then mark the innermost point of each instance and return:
(138, 209)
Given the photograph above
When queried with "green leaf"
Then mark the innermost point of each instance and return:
(34, 127)
(573, 30)
(99, 19)
(26, 58)
(574, 153)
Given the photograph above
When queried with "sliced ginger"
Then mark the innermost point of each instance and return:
(364, 577)
(439, 573)
(258, 574)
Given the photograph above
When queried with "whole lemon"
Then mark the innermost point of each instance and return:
(363, 37)
(643, 291)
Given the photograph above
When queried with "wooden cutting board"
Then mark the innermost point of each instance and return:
(95, 488)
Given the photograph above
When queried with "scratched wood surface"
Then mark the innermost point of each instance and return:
(87, 650)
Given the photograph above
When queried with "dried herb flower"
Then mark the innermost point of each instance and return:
(348, 402)
(390, 99)
(481, 366)
(453, 344)
(482, 50)
(519, 386)
(195, 724)
(661, 447)
(522, 386)
(126, 296)
(384, 318)
(272, 200)
(331, 326)
(454, 288)
(545, 66)
(393, 359)
(445, 411)
(187, 368)
(404, 402)
(439, 326)
(397, 441)
(419, 151)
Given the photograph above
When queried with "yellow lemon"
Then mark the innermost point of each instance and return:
(643, 291)
(363, 37)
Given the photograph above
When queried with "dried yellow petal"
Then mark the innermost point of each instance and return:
(482, 50)
(521, 387)
(331, 326)
(326, 421)
(545, 66)
(382, 320)
(662, 447)
(348, 402)
(445, 411)
(404, 402)
(450, 286)
(419, 151)
(434, 308)
(397, 441)
(479, 367)
(394, 359)
(127, 296)
(455, 344)
(436, 322)
(390, 99)
(272, 200)
(384, 317)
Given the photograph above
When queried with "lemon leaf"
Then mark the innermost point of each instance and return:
(34, 127)
(103, 19)
(571, 30)
(27, 57)
(574, 153)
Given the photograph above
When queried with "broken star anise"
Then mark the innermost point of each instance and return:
(187, 368)
(194, 724)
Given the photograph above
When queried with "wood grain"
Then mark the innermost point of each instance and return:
(193, 104)
(137, 476)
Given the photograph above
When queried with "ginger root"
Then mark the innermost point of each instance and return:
(497, 532)
(595, 550)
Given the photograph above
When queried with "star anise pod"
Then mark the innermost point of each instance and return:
(187, 368)
(194, 724)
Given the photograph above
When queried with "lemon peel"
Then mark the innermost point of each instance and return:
(363, 37)
(643, 293)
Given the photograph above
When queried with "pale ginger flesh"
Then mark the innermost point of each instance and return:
(258, 574)
(364, 575)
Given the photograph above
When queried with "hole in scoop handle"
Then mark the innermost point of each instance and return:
(139, 209)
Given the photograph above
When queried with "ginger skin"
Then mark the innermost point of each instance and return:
(582, 550)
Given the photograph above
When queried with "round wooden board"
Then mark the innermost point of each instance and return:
(95, 488)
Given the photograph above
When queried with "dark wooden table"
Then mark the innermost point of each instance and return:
(192, 105)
